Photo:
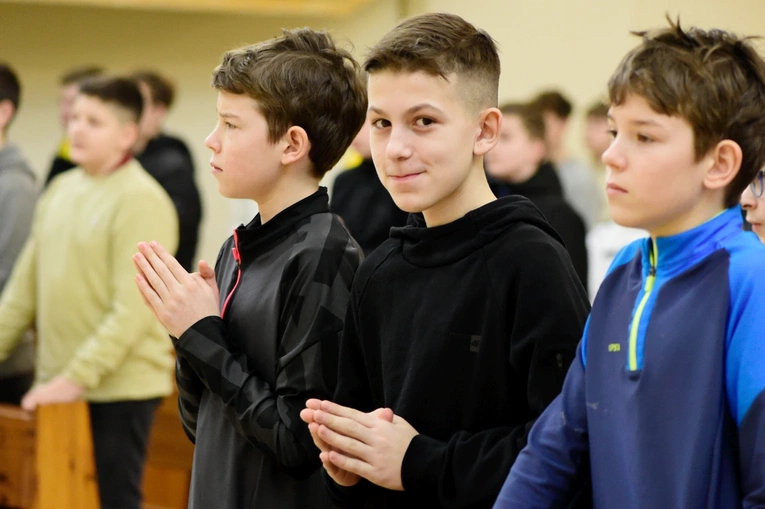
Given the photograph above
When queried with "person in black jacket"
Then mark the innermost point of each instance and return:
(168, 160)
(362, 202)
(259, 337)
(462, 325)
(517, 165)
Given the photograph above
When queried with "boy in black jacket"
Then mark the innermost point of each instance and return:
(462, 325)
(250, 357)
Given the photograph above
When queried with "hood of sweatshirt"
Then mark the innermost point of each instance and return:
(444, 244)
(11, 159)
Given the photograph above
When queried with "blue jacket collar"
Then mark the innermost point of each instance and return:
(678, 252)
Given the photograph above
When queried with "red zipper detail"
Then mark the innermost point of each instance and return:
(238, 260)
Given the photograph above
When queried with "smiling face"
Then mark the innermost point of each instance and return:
(244, 162)
(427, 143)
(654, 181)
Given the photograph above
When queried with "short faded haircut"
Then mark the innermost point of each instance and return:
(442, 44)
(301, 79)
(715, 80)
(120, 92)
(530, 116)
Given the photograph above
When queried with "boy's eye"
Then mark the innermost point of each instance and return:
(380, 123)
(643, 138)
(423, 121)
(229, 125)
(612, 133)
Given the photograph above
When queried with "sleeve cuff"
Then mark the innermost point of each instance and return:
(422, 465)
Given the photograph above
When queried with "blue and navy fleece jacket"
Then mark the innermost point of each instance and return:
(664, 405)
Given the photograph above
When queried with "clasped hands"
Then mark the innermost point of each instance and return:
(177, 298)
(355, 444)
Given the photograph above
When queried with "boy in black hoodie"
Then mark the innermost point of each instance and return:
(250, 355)
(518, 165)
(461, 326)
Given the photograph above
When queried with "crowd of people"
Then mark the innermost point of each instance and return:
(464, 324)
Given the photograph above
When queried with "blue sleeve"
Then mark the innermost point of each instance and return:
(745, 375)
(550, 468)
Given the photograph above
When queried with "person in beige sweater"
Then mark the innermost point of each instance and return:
(74, 282)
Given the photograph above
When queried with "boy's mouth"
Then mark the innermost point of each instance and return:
(216, 169)
(614, 189)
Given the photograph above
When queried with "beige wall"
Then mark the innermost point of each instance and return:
(570, 44)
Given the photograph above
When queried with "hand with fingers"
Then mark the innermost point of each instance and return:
(369, 445)
(177, 298)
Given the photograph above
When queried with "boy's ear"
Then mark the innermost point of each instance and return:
(490, 124)
(6, 113)
(725, 162)
(128, 135)
(296, 145)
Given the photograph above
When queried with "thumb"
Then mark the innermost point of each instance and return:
(384, 413)
(205, 270)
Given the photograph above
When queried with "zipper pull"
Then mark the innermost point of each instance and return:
(237, 258)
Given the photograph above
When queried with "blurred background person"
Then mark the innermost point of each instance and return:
(518, 165)
(68, 89)
(580, 186)
(17, 201)
(169, 161)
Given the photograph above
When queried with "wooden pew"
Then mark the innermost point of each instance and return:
(46, 459)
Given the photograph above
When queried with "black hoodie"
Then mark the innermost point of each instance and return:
(545, 191)
(465, 330)
(169, 161)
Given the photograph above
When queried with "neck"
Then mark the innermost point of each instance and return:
(704, 210)
(472, 194)
(286, 193)
(107, 167)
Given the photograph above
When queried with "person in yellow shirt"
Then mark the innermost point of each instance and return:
(74, 282)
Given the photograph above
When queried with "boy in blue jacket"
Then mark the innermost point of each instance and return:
(665, 402)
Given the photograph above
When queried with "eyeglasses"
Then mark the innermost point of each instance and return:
(758, 184)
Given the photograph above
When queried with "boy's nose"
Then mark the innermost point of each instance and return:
(398, 146)
(211, 142)
(748, 200)
(612, 157)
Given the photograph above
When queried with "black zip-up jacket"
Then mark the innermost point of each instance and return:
(545, 191)
(244, 378)
(466, 330)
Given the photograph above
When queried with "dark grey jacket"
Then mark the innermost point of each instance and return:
(244, 378)
(18, 195)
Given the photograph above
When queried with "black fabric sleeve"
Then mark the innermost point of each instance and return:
(547, 311)
(571, 228)
(269, 416)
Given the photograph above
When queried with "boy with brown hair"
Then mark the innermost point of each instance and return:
(665, 403)
(519, 165)
(461, 325)
(250, 355)
(74, 282)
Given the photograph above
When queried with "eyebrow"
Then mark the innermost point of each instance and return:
(409, 111)
(640, 122)
(226, 114)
